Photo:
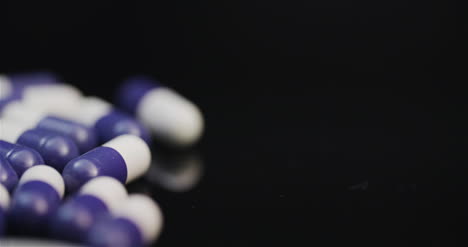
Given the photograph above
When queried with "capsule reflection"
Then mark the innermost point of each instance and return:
(177, 172)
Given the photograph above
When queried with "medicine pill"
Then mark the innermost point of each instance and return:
(124, 158)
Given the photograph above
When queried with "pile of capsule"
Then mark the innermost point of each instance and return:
(65, 158)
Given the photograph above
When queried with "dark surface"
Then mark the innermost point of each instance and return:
(329, 122)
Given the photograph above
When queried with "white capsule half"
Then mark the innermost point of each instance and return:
(145, 213)
(44, 174)
(4, 198)
(90, 110)
(171, 117)
(20, 112)
(134, 151)
(53, 98)
(108, 189)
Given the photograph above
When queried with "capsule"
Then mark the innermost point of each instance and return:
(20, 157)
(83, 136)
(4, 204)
(56, 150)
(171, 117)
(137, 222)
(8, 93)
(60, 99)
(8, 176)
(108, 121)
(96, 199)
(35, 200)
(67, 102)
(22, 80)
(124, 158)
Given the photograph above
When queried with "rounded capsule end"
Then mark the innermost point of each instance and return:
(56, 150)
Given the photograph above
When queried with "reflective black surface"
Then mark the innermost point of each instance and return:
(328, 122)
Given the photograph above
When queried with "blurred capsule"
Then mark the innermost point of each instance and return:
(137, 222)
(171, 117)
(97, 198)
(83, 136)
(108, 121)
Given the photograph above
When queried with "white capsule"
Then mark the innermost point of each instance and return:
(44, 174)
(108, 189)
(145, 213)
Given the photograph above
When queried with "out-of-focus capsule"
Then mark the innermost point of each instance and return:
(61, 99)
(7, 92)
(137, 222)
(20, 157)
(22, 80)
(96, 199)
(83, 136)
(124, 158)
(108, 122)
(4, 204)
(56, 150)
(36, 198)
(171, 117)
(8, 176)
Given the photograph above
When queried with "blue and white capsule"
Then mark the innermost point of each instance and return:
(37, 197)
(170, 117)
(8, 176)
(83, 136)
(56, 150)
(96, 199)
(137, 222)
(4, 204)
(68, 102)
(124, 158)
(108, 121)
(20, 157)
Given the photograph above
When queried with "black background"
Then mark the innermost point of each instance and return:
(328, 122)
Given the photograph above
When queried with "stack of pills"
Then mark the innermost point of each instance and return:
(56, 143)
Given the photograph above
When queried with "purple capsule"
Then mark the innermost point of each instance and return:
(56, 150)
